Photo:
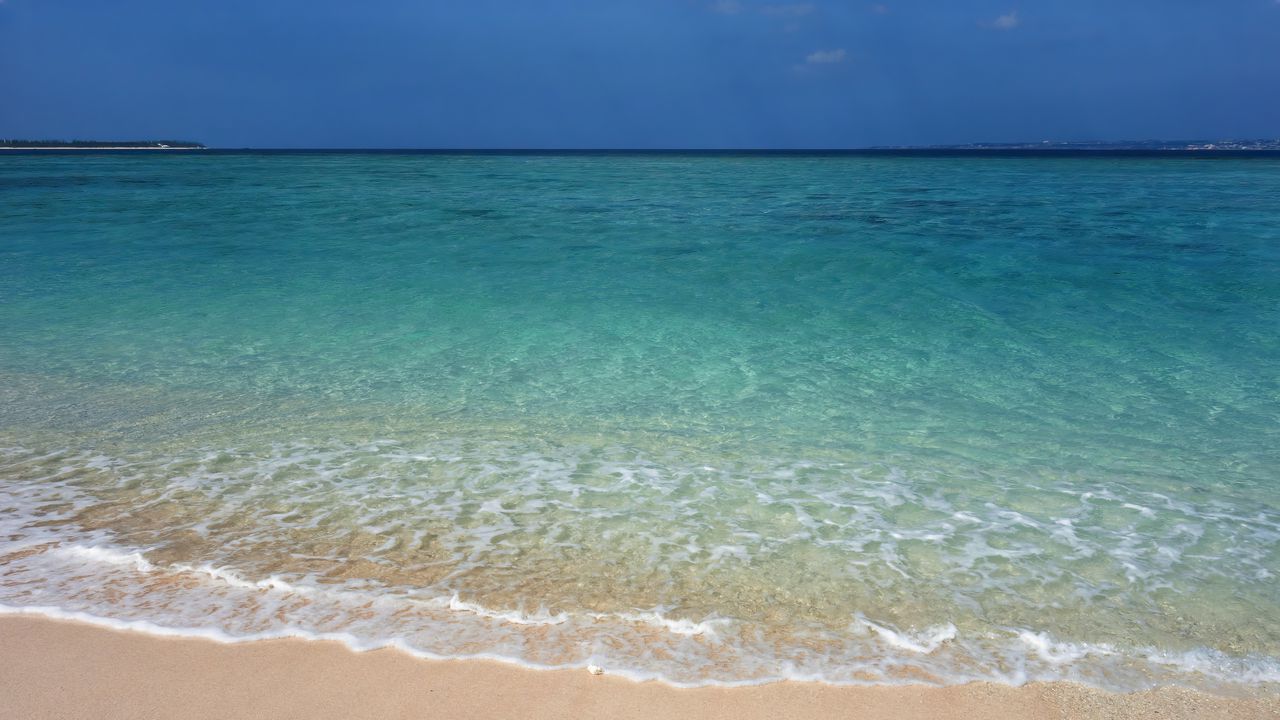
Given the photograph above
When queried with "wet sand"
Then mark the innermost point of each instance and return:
(60, 669)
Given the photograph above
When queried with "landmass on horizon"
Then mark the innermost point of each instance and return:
(100, 145)
(1172, 145)
(1263, 145)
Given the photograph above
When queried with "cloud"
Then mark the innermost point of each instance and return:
(881, 9)
(793, 10)
(825, 57)
(783, 10)
(1006, 22)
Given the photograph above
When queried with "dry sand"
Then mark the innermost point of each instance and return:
(57, 669)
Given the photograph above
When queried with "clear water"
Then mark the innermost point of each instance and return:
(710, 419)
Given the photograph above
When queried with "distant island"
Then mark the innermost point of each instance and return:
(1148, 145)
(1108, 146)
(99, 145)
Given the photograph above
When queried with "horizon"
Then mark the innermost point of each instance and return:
(1152, 145)
(768, 358)
(706, 75)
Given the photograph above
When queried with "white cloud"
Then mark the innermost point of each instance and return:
(1006, 22)
(825, 57)
(784, 10)
(793, 10)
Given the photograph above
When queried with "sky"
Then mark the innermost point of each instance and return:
(638, 73)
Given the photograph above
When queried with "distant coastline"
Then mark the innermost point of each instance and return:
(1216, 148)
(9, 144)
(1208, 148)
(1114, 145)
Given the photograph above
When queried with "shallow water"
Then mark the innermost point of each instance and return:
(711, 419)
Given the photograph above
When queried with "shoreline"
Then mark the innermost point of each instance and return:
(65, 668)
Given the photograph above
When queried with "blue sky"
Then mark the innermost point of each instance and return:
(639, 73)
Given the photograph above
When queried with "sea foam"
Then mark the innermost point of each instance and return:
(465, 608)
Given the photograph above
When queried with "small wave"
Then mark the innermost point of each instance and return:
(924, 642)
(720, 528)
(107, 555)
(234, 579)
(1060, 653)
(678, 626)
(541, 617)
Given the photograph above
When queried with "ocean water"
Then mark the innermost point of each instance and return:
(711, 419)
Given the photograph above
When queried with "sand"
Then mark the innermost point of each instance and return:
(59, 669)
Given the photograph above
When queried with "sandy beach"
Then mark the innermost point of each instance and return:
(59, 669)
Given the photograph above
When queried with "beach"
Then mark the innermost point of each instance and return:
(961, 432)
(60, 669)
(723, 360)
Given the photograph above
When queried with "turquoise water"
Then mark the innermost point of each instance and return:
(710, 419)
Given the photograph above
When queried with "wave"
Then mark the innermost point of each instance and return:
(869, 653)
(657, 569)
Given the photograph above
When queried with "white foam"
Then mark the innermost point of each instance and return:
(1218, 665)
(1058, 653)
(1142, 510)
(676, 626)
(542, 617)
(107, 555)
(204, 633)
(487, 531)
(352, 642)
(924, 641)
(234, 579)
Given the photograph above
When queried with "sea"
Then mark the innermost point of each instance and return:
(701, 418)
